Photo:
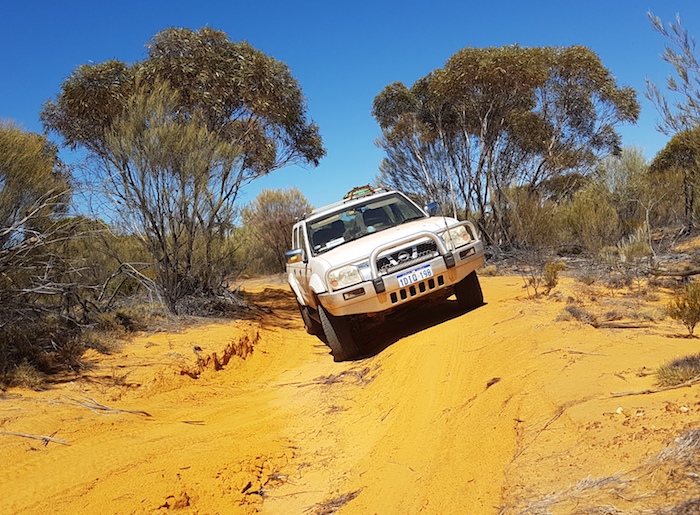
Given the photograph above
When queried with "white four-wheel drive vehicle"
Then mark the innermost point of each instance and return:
(373, 252)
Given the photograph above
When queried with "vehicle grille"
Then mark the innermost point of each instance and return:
(417, 289)
(406, 257)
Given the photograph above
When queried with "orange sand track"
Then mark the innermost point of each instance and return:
(473, 413)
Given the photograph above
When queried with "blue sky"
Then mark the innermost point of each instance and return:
(342, 54)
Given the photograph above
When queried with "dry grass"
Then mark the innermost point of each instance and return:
(574, 312)
(26, 376)
(333, 505)
(104, 342)
(598, 308)
(488, 270)
(678, 371)
(685, 307)
(666, 485)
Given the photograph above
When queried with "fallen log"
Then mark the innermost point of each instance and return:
(680, 273)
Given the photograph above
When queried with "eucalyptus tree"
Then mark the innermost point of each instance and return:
(414, 166)
(172, 184)
(175, 137)
(504, 117)
(680, 111)
(415, 162)
(682, 154)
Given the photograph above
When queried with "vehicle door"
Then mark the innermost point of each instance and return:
(300, 269)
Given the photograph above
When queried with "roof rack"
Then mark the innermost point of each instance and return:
(353, 194)
(361, 191)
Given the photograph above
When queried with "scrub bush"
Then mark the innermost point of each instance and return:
(685, 307)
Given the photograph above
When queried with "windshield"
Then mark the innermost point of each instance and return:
(360, 220)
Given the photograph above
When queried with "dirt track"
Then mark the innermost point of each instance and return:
(491, 411)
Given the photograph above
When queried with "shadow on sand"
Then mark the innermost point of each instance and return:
(379, 337)
(372, 337)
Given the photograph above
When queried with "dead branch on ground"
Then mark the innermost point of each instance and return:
(45, 439)
(572, 351)
(97, 407)
(332, 505)
(688, 383)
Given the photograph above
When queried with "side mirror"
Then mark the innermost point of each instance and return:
(295, 256)
(432, 208)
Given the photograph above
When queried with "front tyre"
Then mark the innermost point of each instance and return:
(468, 293)
(312, 326)
(338, 335)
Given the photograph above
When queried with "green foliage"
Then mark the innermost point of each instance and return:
(550, 275)
(625, 178)
(680, 117)
(110, 265)
(682, 155)
(685, 307)
(250, 99)
(174, 183)
(90, 99)
(495, 118)
(177, 136)
(669, 210)
(535, 228)
(246, 95)
(419, 168)
(57, 273)
(643, 194)
(682, 151)
(34, 186)
(535, 222)
(538, 275)
(591, 219)
(678, 371)
(562, 188)
(267, 226)
(634, 251)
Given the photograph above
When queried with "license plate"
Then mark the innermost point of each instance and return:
(415, 275)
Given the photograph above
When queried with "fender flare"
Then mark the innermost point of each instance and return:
(317, 284)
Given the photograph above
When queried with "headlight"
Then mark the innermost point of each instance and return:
(457, 236)
(344, 277)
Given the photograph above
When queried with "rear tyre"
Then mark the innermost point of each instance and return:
(338, 335)
(312, 326)
(468, 293)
